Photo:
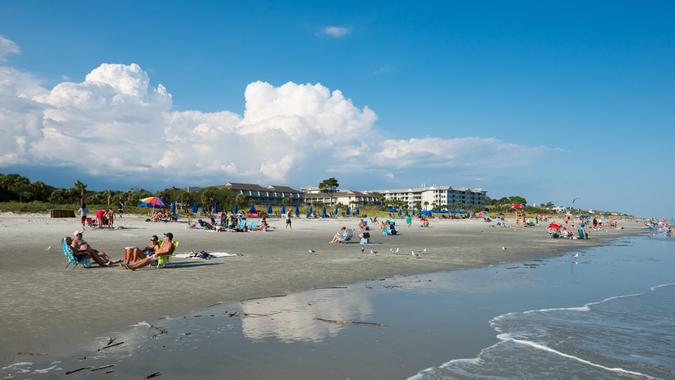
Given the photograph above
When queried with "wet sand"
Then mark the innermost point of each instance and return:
(45, 308)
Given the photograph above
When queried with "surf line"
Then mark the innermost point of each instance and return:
(584, 361)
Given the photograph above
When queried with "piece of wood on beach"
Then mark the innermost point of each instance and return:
(110, 346)
(215, 304)
(154, 374)
(102, 367)
(77, 370)
(331, 287)
(349, 322)
(263, 297)
(31, 354)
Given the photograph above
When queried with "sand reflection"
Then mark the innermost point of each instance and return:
(291, 318)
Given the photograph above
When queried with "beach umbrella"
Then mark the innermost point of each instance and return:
(195, 207)
(309, 211)
(407, 213)
(297, 211)
(283, 210)
(236, 209)
(173, 207)
(517, 206)
(153, 202)
(357, 211)
(252, 209)
(349, 211)
(269, 209)
(555, 226)
(336, 211)
(400, 212)
(413, 212)
(323, 212)
(215, 208)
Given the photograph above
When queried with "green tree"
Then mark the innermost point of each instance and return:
(329, 185)
(81, 188)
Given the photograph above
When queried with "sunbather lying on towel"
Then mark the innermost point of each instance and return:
(133, 254)
(166, 248)
(81, 247)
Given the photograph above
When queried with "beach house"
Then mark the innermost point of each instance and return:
(435, 196)
(268, 195)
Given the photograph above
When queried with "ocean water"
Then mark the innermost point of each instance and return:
(606, 312)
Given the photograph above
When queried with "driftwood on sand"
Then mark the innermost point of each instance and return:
(109, 346)
(348, 322)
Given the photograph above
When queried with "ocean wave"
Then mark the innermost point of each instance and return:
(598, 339)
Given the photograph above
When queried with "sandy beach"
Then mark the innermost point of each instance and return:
(47, 309)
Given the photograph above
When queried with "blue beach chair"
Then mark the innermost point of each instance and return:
(70, 256)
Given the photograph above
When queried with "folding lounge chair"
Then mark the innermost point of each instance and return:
(72, 259)
(164, 259)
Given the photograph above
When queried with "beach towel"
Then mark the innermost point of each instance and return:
(195, 255)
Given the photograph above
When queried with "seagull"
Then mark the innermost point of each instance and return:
(424, 250)
(48, 248)
(311, 251)
(372, 252)
(414, 254)
(503, 248)
(391, 250)
(575, 255)
(397, 250)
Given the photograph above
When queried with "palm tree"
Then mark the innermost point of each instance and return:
(81, 187)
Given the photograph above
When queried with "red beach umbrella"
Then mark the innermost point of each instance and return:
(517, 206)
(555, 226)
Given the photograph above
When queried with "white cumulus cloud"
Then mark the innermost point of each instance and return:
(115, 123)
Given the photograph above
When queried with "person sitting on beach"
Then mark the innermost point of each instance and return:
(79, 246)
(365, 237)
(363, 224)
(165, 248)
(133, 254)
(338, 235)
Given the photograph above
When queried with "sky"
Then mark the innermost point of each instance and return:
(549, 100)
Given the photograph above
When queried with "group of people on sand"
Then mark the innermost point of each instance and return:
(134, 257)
(234, 222)
(104, 218)
(162, 215)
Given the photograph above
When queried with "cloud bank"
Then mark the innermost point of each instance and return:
(115, 123)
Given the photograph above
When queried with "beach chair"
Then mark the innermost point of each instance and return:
(254, 226)
(72, 259)
(162, 261)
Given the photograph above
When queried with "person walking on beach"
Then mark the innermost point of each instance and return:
(408, 220)
(120, 208)
(288, 221)
(83, 211)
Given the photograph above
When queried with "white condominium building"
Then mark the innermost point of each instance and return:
(436, 196)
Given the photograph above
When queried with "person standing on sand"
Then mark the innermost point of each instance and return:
(408, 220)
(120, 208)
(83, 211)
(288, 221)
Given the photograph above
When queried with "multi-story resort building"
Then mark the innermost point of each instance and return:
(435, 196)
(267, 195)
(346, 197)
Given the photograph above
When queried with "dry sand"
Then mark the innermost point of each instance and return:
(45, 308)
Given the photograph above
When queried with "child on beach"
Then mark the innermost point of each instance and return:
(83, 211)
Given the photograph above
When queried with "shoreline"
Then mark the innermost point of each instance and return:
(270, 266)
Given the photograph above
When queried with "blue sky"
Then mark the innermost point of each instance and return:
(586, 89)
